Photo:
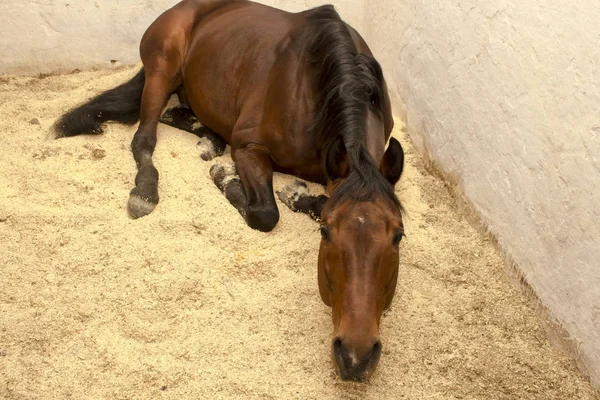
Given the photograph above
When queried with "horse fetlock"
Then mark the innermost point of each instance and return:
(292, 193)
(211, 144)
(147, 176)
(222, 174)
(207, 149)
(147, 191)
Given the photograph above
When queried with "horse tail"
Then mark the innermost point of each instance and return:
(120, 104)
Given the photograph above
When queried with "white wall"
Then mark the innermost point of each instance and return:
(61, 35)
(503, 95)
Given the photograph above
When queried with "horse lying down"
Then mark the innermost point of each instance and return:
(297, 93)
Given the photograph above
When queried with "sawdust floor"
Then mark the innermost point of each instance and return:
(190, 303)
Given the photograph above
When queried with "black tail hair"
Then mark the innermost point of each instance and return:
(121, 104)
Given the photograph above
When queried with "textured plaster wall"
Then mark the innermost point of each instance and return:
(504, 96)
(61, 35)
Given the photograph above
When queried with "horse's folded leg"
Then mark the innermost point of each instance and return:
(312, 206)
(256, 173)
(297, 197)
(181, 117)
(234, 192)
(210, 145)
(227, 180)
(290, 194)
(221, 174)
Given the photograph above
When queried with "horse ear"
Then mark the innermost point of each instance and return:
(336, 162)
(392, 162)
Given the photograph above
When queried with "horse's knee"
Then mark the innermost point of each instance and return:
(263, 218)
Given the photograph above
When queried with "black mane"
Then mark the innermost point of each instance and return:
(349, 83)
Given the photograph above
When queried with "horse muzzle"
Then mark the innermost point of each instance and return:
(356, 361)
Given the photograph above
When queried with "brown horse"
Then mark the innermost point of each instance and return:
(295, 93)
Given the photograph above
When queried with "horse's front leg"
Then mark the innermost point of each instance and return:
(252, 193)
(297, 197)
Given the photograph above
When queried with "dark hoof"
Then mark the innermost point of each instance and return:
(222, 174)
(139, 207)
(290, 194)
(142, 200)
(263, 220)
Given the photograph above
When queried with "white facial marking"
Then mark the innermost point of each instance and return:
(353, 358)
(361, 219)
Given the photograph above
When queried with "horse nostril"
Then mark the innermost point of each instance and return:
(376, 352)
(337, 347)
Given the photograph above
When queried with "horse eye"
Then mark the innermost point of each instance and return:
(373, 100)
(325, 232)
(398, 237)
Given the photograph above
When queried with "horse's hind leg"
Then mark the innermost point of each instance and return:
(144, 196)
(298, 199)
(162, 49)
(211, 145)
